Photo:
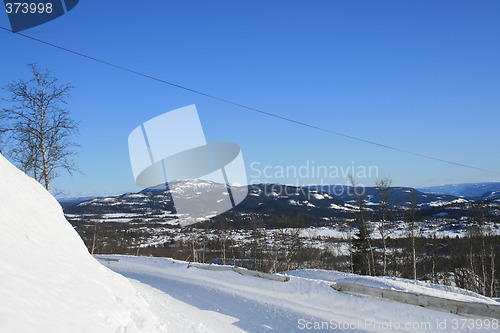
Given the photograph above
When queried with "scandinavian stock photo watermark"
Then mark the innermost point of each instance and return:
(171, 150)
(437, 325)
(312, 170)
(285, 179)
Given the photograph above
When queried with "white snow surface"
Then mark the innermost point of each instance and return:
(48, 280)
(260, 305)
(393, 283)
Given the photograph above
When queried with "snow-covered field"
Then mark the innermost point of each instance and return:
(49, 283)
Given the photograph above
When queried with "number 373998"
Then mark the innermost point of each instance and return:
(28, 7)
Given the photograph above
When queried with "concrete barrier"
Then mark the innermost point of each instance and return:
(432, 302)
(210, 267)
(242, 271)
(275, 277)
(108, 260)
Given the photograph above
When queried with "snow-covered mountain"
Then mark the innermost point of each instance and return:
(467, 190)
(262, 198)
(318, 202)
(397, 195)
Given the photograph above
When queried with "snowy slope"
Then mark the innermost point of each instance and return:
(260, 305)
(48, 281)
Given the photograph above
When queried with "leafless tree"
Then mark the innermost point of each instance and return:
(38, 127)
(411, 217)
(383, 225)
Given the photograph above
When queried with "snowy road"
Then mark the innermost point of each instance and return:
(249, 315)
(208, 304)
(224, 301)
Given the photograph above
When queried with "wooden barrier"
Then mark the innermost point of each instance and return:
(432, 302)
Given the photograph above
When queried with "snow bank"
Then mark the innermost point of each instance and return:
(48, 280)
(393, 283)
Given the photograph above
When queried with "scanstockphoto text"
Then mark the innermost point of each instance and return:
(311, 173)
(445, 324)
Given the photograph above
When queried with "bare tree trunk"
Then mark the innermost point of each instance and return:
(483, 266)
(224, 251)
(195, 256)
(43, 150)
(473, 271)
(94, 240)
(492, 282)
(233, 246)
(384, 188)
(414, 258)
(351, 254)
(372, 256)
(384, 243)
(434, 278)
(369, 265)
(412, 218)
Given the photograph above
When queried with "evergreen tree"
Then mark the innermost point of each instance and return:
(361, 251)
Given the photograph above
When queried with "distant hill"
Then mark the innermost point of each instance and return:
(472, 191)
(262, 198)
(266, 200)
(68, 202)
(398, 196)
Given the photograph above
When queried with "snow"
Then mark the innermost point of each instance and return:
(48, 281)
(322, 232)
(347, 207)
(258, 305)
(317, 196)
(399, 284)
(182, 317)
(440, 203)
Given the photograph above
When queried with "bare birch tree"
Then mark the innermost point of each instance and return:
(383, 225)
(38, 127)
(411, 216)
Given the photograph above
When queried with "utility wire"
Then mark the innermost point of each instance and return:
(248, 107)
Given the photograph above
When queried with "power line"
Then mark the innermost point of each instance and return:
(248, 107)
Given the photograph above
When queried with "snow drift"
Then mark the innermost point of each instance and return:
(48, 280)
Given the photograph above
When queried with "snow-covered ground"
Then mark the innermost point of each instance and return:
(49, 283)
(48, 280)
(307, 299)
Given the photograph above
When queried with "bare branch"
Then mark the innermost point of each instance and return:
(39, 129)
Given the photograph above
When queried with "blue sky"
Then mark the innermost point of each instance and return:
(418, 75)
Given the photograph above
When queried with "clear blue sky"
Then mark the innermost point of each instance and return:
(418, 75)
